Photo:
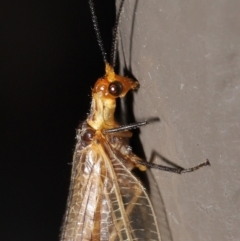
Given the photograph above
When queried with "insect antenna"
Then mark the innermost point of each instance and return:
(96, 28)
(115, 36)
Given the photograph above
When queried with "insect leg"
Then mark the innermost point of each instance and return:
(125, 127)
(172, 169)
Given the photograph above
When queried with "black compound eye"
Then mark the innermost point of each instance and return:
(88, 135)
(115, 88)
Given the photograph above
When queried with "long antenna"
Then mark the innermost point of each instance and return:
(115, 36)
(96, 28)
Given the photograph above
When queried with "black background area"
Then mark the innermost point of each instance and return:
(49, 62)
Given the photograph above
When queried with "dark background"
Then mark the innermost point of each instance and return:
(49, 62)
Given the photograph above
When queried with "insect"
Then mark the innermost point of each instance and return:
(106, 201)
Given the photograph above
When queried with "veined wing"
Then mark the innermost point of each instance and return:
(106, 202)
(137, 220)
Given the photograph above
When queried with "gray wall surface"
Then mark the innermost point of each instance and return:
(186, 56)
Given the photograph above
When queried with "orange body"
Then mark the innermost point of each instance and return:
(106, 202)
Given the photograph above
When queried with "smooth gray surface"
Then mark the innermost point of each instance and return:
(186, 56)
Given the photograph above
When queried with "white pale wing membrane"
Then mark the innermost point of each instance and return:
(106, 202)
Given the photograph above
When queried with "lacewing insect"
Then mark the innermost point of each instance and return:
(106, 201)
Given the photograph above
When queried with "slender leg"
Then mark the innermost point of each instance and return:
(172, 169)
(124, 127)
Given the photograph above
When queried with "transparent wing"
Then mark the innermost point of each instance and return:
(137, 220)
(83, 195)
(106, 201)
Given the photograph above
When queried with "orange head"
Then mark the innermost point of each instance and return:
(104, 94)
